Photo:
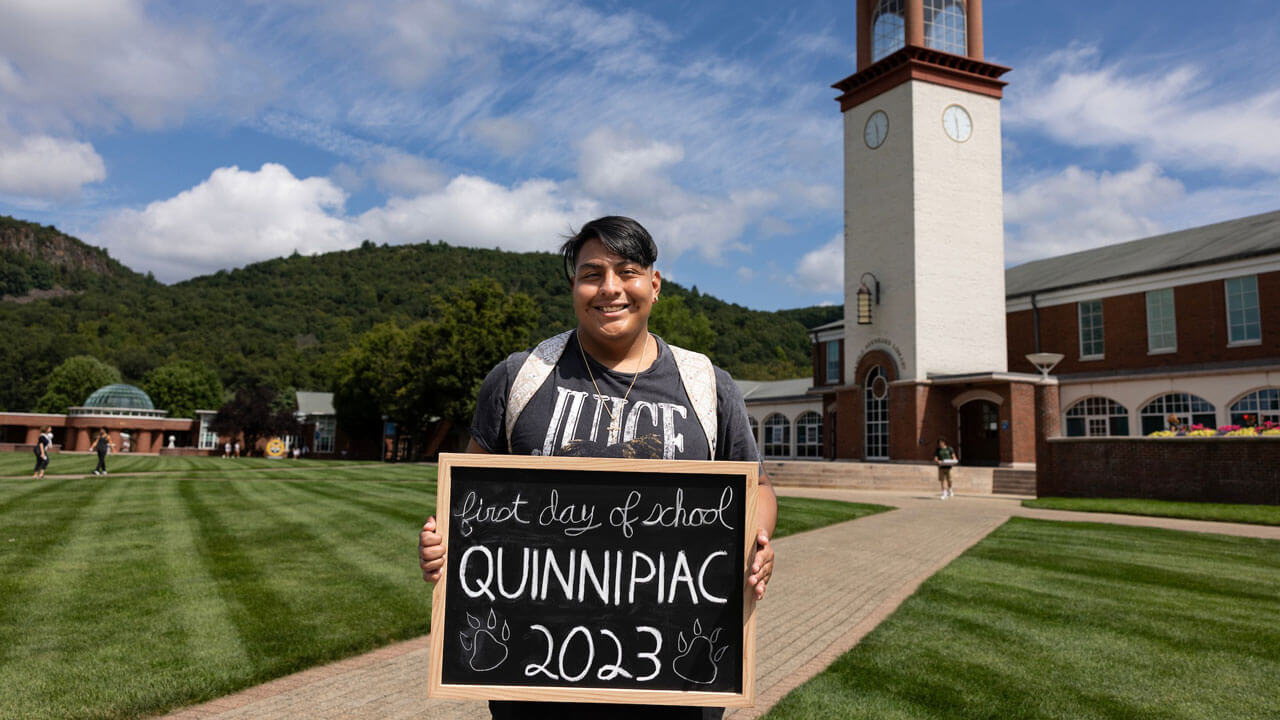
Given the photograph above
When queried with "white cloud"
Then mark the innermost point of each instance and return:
(1077, 209)
(405, 174)
(506, 135)
(46, 168)
(233, 218)
(64, 62)
(822, 270)
(473, 211)
(630, 172)
(1171, 115)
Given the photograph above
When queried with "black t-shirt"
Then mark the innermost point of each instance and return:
(103, 444)
(566, 416)
(42, 446)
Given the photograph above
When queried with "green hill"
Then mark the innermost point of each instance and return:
(285, 321)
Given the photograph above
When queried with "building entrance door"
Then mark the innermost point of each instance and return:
(979, 433)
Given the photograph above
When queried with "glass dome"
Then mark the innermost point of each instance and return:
(119, 396)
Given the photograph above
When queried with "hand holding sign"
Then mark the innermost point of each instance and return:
(761, 564)
(430, 551)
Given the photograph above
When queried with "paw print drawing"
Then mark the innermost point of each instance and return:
(487, 651)
(698, 658)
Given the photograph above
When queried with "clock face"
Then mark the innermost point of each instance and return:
(957, 123)
(877, 129)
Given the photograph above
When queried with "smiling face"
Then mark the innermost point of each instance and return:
(612, 297)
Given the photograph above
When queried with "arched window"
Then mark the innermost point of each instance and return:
(809, 434)
(1189, 409)
(755, 429)
(1097, 417)
(876, 395)
(888, 30)
(777, 436)
(1261, 406)
(944, 26)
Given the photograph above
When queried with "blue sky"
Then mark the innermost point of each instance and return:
(189, 137)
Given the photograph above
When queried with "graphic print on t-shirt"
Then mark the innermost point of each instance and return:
(582, 420)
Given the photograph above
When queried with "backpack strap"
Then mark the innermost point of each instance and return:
(697, 374)
(699, 378)
(532, 374)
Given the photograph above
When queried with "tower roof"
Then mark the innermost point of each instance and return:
(120, 396)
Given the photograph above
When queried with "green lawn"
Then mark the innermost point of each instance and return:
(1072, 620)
(19, 464)
(797, 514)
(1221, 512)
(128, 595)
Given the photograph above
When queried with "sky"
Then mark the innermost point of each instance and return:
(191, 137)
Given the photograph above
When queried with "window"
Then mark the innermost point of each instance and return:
(777, 436)
(944, 27)
(208, 438)
(809, 434)
(876, 394)
(1162, 335)
(833, 362)
(888, 31)
(1091, 330)
(325, 427)
(1257, 408)
(755, 429)
(1097, 417)
(1186, 407)
(1243, 324)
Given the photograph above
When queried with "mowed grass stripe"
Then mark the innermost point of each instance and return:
(210, 636)
(412, 507)
(69, 601)
(261, 593)
(30, 533)
(371, 552)
(1049, 620)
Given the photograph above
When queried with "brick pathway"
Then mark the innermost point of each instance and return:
(830, 588)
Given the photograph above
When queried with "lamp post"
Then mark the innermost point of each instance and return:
(1044, 362)
(865, 297)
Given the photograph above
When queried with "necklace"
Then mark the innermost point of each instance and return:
(614, 423)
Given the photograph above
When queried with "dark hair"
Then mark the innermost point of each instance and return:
(620, 235)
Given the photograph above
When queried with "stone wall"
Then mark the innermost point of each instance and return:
(1229, 470)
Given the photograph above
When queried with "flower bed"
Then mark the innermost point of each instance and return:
(1267, 428)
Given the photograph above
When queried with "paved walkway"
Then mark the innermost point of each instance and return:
(829, 589)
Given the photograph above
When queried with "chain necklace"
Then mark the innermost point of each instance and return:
(614, 424)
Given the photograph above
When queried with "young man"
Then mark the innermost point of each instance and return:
(945, 456)
(615, 390)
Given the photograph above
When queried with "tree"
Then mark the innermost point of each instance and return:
(373, 379)
(674, 322)
(183, 387)
(255, 412)
(71, 383)
(471, 330)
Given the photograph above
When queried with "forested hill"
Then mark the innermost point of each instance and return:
(284, 322)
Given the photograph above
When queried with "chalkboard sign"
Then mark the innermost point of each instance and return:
(594, 580)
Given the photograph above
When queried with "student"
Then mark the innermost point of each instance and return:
(102, 446)
(945, 457)
(42, 451)
(612, 355)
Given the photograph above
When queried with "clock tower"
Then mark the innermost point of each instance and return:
(924, 234)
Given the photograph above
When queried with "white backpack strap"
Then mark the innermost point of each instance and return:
(699, 378)
(535, 371)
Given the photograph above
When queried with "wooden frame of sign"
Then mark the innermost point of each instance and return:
(594, 580)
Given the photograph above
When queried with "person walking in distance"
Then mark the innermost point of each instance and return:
(42, 451)
(946, 457)
(102, 446)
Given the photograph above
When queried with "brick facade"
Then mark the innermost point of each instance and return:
(1200, 310)
(1229, 470)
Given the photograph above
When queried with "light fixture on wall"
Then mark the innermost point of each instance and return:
(865, 297)
(1044, 362)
